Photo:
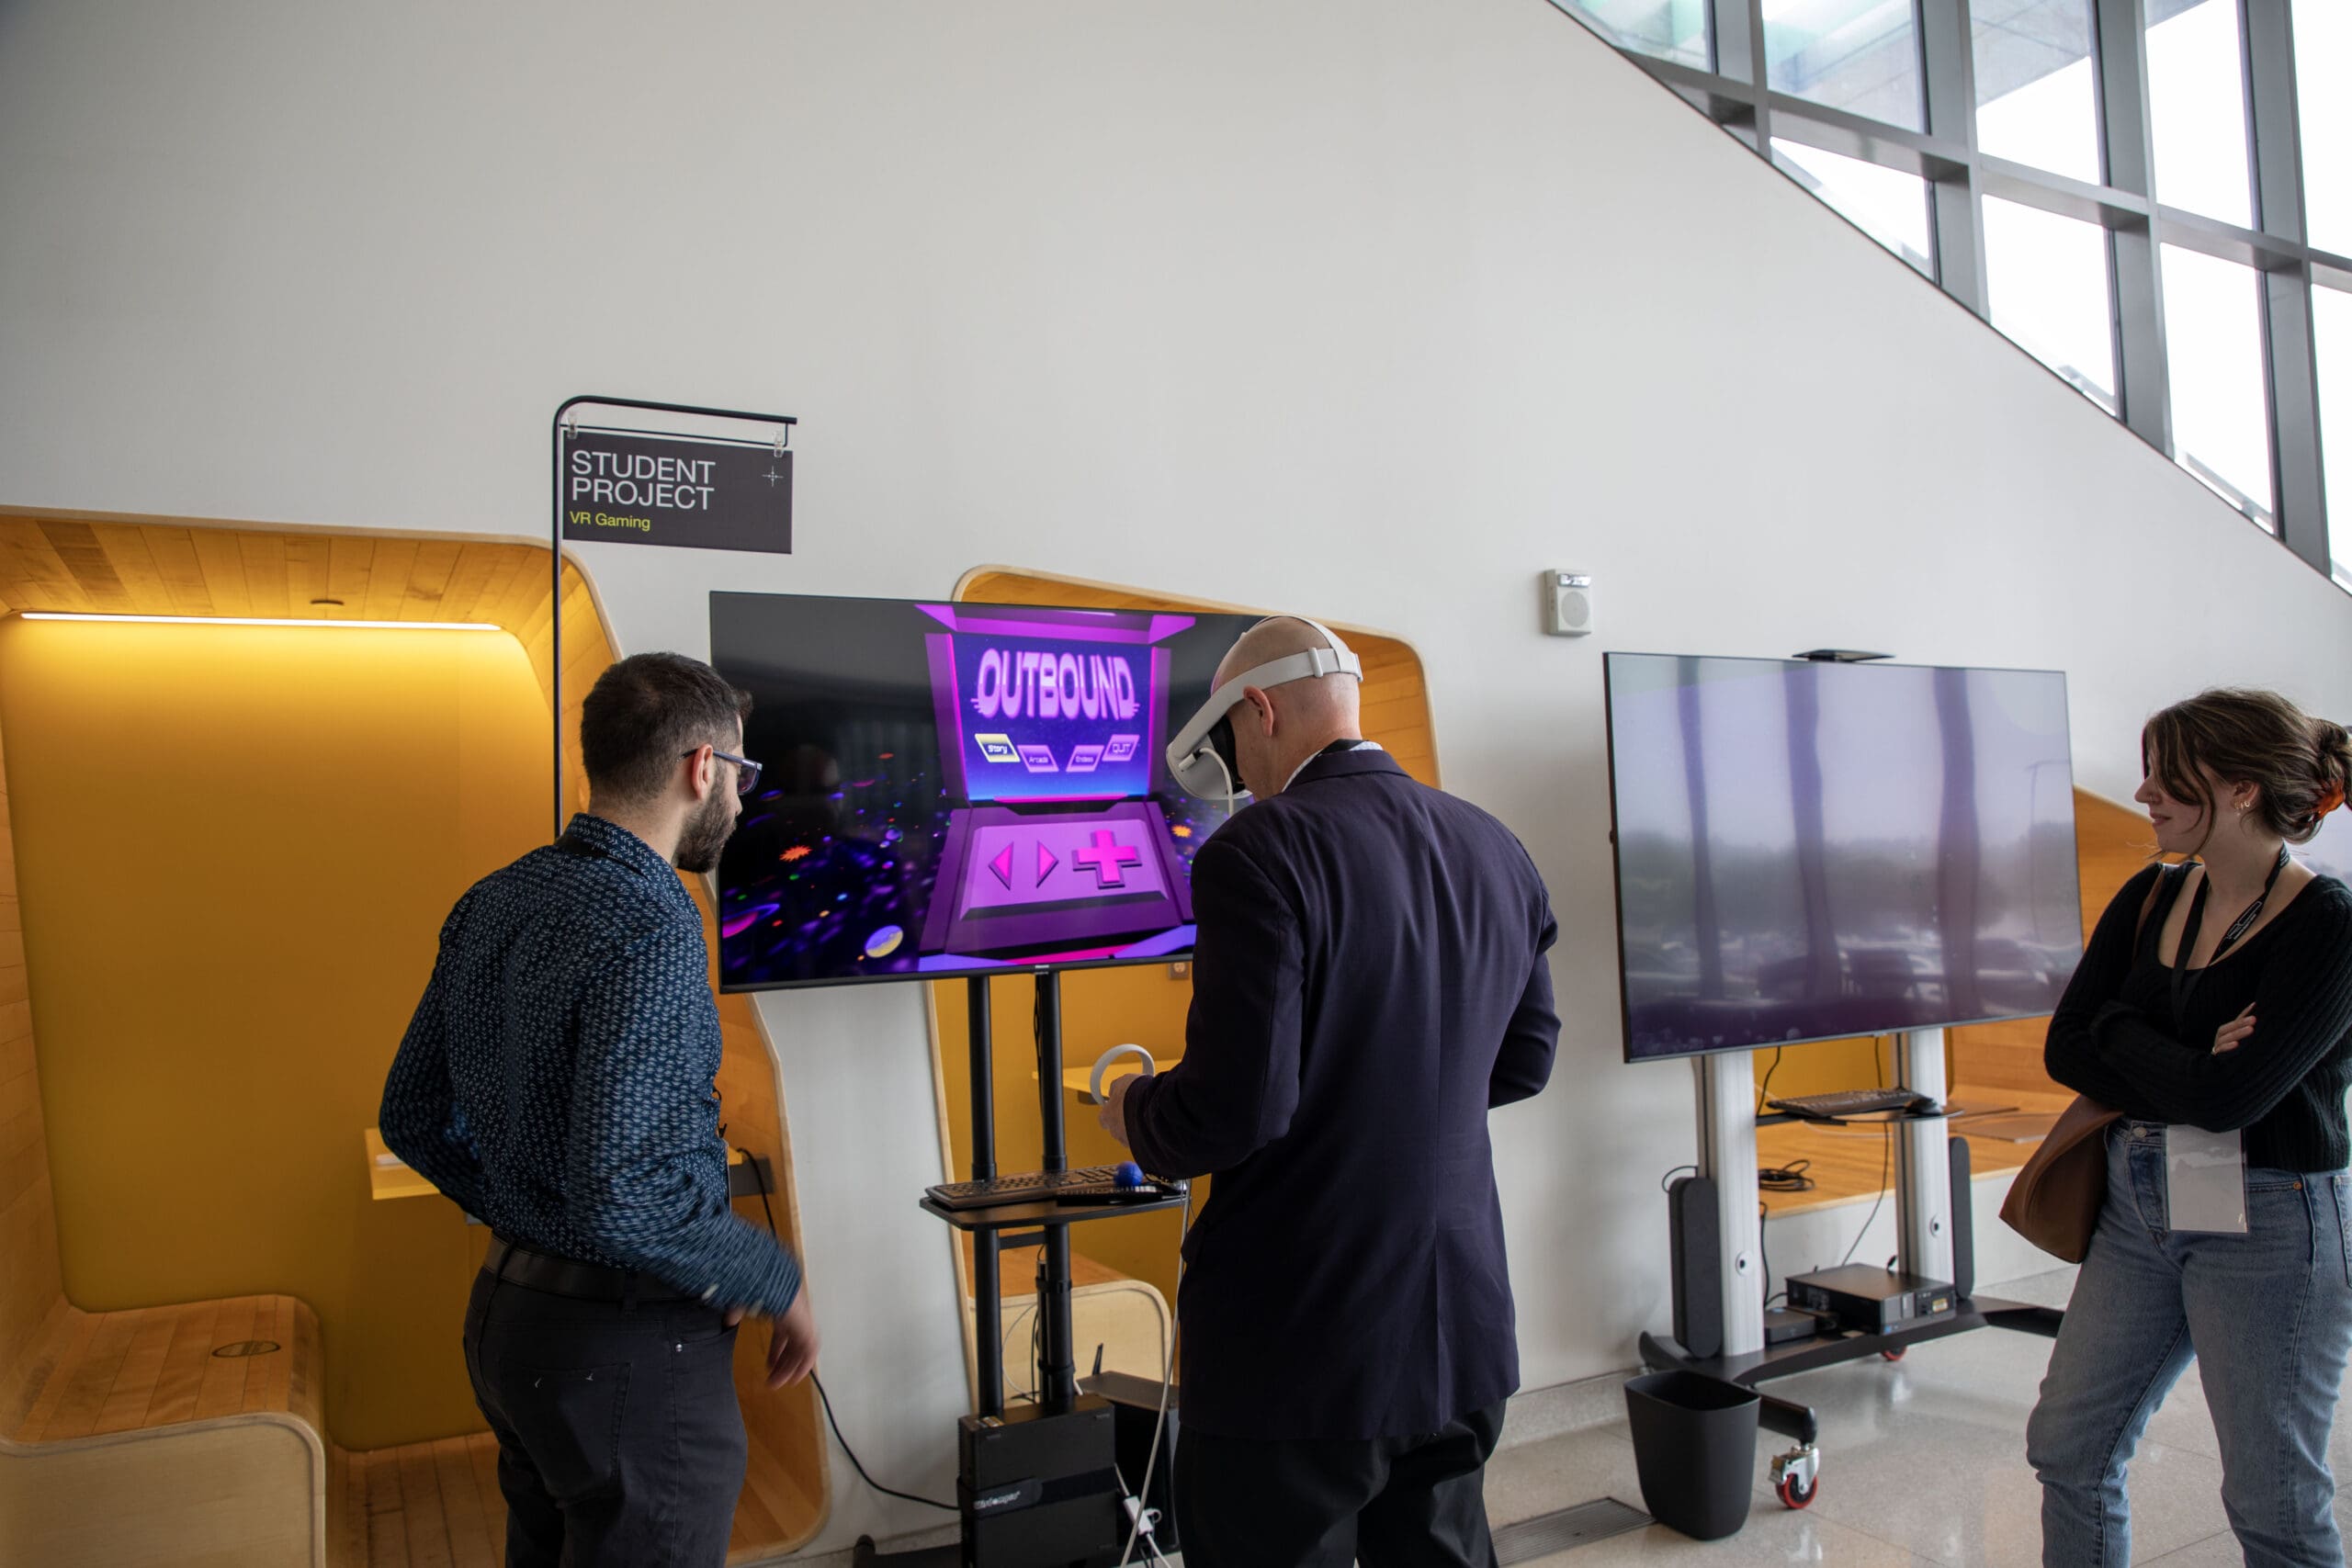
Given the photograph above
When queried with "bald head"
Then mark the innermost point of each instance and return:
(1278, 637)
(1278, 727)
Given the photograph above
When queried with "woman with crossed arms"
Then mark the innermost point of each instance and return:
(2216, 995)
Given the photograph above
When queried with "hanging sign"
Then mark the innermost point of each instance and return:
(629, 489)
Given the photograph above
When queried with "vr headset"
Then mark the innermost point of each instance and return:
(1203, 757)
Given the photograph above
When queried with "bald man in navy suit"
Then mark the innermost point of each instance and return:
(1370, 979)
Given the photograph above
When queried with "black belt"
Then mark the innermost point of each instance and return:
(519, 1265)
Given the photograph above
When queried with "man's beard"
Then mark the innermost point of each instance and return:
(705, 834)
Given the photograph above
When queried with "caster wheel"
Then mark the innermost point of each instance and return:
(1894, 1355)
(1796, 1476)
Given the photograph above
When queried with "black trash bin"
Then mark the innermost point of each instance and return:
(1694, 1448)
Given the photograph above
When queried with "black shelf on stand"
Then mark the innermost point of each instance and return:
(1019, 1216)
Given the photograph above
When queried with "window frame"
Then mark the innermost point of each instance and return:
(1738, 98)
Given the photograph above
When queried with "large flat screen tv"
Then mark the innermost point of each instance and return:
(1812, 851)
(956, 788)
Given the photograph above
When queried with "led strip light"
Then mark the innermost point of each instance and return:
(267, 621)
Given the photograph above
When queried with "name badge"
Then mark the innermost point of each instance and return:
(2205, 1180)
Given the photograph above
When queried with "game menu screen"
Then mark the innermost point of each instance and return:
(950, 788)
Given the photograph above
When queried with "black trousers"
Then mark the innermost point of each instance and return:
(619, 1438)
(1383, 1501)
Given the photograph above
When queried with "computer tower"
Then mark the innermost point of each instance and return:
(1038, 1488)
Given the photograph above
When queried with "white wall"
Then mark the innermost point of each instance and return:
(1371, 308)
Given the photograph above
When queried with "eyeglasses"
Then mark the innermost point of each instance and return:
(747, 771)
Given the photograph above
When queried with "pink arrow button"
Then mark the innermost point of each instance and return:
(1046, 861)
(1002, 866)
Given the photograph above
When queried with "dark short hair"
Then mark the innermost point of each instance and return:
(644, 715)
(2250, 737)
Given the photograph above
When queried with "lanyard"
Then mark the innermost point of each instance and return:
(2185, 979)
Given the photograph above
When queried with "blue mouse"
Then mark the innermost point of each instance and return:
(1129, 1174)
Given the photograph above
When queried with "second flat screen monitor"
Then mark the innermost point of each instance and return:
(1810, 852)
(954, 788)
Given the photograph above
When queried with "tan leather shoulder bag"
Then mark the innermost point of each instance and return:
(2055, 1200)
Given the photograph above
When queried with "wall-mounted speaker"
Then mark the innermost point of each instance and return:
(1568, 604)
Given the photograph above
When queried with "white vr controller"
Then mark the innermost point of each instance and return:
(1102, 1066)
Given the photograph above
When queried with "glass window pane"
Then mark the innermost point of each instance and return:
(2332, 326)
(2221, 409)
(1858, 55)
(2047, 276)
(2322, 55)
(1671, 29)
(2196, 108)
(2037, 99)
(1888, 204)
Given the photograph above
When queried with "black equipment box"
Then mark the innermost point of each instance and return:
(1037, 1487)
(1870, 1301)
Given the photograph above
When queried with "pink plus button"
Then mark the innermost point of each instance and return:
(1105, 857)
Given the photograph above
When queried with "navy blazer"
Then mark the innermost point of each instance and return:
(1369, 980)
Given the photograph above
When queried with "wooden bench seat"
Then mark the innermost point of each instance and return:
(167, 1435)
(120, 1371)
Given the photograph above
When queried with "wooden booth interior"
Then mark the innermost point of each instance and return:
(231, 849)
(1124, 1271)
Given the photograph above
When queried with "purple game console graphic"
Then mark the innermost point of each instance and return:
(1016, 879)
(1043, 709)
(1049, 704)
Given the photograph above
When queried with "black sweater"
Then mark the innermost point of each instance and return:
(2114, 1038)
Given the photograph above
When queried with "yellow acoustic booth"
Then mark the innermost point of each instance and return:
(227, 851)
(1124, 1273)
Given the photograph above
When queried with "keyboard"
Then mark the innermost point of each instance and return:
(1852, 1103)
(1088, 1184)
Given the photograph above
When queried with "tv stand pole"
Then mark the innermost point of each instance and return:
(1923, 1191)
(1059, 1388)
(1925, 1233)
(1042, 1224)
(987, 1298)
(1057, 1376)
(1728, 1158)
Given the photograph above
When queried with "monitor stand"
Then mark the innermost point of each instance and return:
(989, 1541)
(1932, 1238)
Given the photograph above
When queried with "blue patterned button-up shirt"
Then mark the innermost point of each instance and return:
(557, 1078)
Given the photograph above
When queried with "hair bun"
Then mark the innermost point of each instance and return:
(2334, 743)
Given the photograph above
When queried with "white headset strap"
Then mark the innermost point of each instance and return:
(1335, 660)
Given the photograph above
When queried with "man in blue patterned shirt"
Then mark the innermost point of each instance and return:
(557, 1081)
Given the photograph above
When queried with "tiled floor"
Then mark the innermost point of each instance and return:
(1923, 1462)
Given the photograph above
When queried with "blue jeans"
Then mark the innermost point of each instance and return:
(2267, 1316)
